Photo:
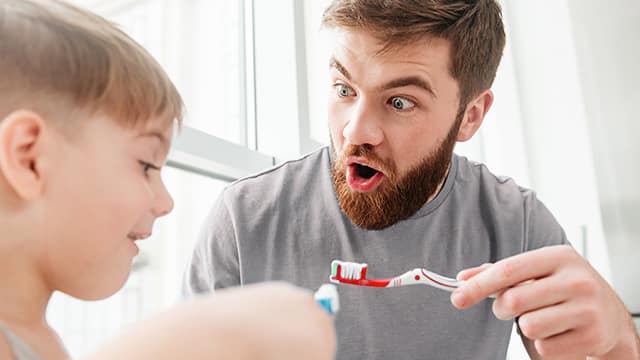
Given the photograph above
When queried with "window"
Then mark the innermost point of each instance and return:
(201, 45)
(214, 69)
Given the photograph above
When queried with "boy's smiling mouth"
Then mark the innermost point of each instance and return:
(138, 236)
(135, 237)
(362, 176)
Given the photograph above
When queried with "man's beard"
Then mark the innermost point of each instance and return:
(397, 198)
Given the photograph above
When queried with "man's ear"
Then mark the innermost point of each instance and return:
(21, 150)
(474, 115)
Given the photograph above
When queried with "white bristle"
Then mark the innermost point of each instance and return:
(351, 270)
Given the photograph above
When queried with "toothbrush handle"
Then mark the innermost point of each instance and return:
(426, 277)
(439, 281)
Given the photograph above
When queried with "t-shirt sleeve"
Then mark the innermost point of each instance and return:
(541, 227)
(214, 262)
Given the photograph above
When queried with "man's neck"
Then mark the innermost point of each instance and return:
(440, 185)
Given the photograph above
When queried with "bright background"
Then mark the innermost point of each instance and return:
(253, 76)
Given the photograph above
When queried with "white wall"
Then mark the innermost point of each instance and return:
(558, 145)
(607, 35)
(577, 73)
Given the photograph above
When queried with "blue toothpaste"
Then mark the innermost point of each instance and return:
(327, 297)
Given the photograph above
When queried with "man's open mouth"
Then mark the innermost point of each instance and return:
(363, 177)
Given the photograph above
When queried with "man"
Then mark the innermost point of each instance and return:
(409, 79)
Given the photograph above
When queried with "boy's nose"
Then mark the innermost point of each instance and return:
(363, 126)
(163, 202)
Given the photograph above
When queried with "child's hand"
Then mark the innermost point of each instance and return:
(263, 321)
(277, 321)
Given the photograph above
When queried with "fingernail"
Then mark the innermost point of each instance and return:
(458, 299)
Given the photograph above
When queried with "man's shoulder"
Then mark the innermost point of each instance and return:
(506, 205)
(477, 177)
(292, 175)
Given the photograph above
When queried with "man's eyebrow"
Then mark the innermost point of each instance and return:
(405, 81)
(410, 81)
(334, 63)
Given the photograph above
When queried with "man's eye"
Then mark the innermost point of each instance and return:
(344, 91)
(400, 103)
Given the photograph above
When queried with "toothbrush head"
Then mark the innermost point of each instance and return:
(345, 270)
(334, 270)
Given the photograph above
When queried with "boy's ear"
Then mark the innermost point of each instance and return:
(21, 148)
(474, 115)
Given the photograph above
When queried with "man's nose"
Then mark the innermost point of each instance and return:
(364, 125)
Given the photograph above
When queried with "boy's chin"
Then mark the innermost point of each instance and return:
(94, 288)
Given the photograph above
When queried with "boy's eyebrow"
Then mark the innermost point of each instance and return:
(157, 135)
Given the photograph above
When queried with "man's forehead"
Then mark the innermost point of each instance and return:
(357, 42)
(353, 52)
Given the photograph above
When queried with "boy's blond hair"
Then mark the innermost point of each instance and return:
(56, 59)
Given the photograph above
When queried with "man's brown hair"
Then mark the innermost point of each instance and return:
(56, 58)
(473, 27)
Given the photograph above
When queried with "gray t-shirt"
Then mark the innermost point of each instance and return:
(286, 224)
(20, 349)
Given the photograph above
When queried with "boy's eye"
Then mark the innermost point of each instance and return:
(400, 103)
(344, 91)
(147, 166)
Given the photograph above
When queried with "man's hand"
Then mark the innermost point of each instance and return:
(562, 303)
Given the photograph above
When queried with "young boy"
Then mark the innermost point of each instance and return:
(86, 121)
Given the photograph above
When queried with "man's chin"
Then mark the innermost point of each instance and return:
(366, 210)
(368, 222)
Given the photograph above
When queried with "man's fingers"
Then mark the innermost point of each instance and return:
(509, 272)
(471, 272)
(563, 345)
(529, 296)
(550, 321)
